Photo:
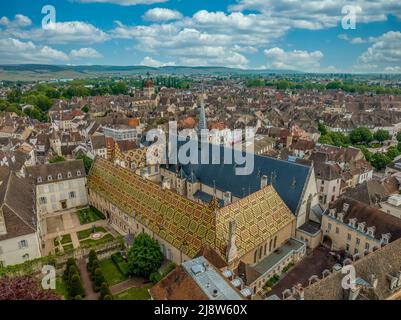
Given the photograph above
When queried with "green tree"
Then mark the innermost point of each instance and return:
(87, 162)
(98, 279)
(75, 286)
(57, 159)
(366, 152)
(392, 153)
(361, 135)
(322, 128)
(85, 109)
(145, 256)
(104, 291)
(381, 135)
(399, 136)
(379, 161)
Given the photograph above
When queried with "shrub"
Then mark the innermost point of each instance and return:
(170, 267)
(98, 279)
(78, 297)
(155, 277)
(104, 291)
(120, 263)
(75, 286)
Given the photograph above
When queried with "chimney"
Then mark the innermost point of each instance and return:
(263, 182)
(232, 246)
(227, 198)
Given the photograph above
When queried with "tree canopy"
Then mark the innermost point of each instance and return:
(145, 256)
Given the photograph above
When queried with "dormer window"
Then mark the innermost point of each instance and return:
(78, 173)
(371, 231)
(59, 176)
(69, 174)
(340, 216)
(49, 178)
(39, 179)
(352, 222)
(386, 238)
(361, 226)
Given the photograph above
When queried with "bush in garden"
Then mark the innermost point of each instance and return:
(155, 277)
(104, 291)
(75, 287)
(98, 279)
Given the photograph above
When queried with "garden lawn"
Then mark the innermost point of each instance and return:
(89, 215)
(91, 242)
(64, 239)
(61, 289)
(134, 294)
(111, 272)
(68, 247)
(87, 232)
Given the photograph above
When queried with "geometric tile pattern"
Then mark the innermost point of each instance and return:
(183, 223)
(186, 224)
(258, 217)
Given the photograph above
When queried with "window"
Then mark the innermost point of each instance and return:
(42, 200)
(59, 176)
(321, 189)
(356, 251)
(367, 246)
(79, 173)
(39, 179)
(347, 246)
(255, 256)
(334, 189)
(349, 237)
(270, 245)
(72, 194)
(260, 253)
(23, 244)
(69, 175)
(337, 230)
(25, 257)
(275, 242)
(49, 178)
(329, 226)
(358, 241)
(265, 249)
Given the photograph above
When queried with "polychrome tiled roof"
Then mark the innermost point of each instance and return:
(183, 223)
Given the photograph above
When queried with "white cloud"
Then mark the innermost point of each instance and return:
(396, 69)
(162, 14)
(293, 60)
(19, 21)
(150, 62)
(123, 2)
(317, 14)
(383, 55)
(16, 51)
(85, 53)
(61, 33)
(356, 40)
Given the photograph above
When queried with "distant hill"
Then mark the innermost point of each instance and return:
(47, 72)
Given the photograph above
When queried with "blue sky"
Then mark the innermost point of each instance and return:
(304, 35)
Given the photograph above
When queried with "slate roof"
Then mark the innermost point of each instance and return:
(288, 178)
(54, 169)
(380, 263)
(17, 204)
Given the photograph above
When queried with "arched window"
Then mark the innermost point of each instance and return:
(275, 242)
(270, 245)
(255, 256)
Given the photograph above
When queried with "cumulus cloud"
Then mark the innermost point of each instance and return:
(84, 53)
(61, 33)
(123, 2)
(16, 51)
(318, 14)
(293, 60)
(150, 62)
(162, 14)
(19, 21)
(383, 55)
